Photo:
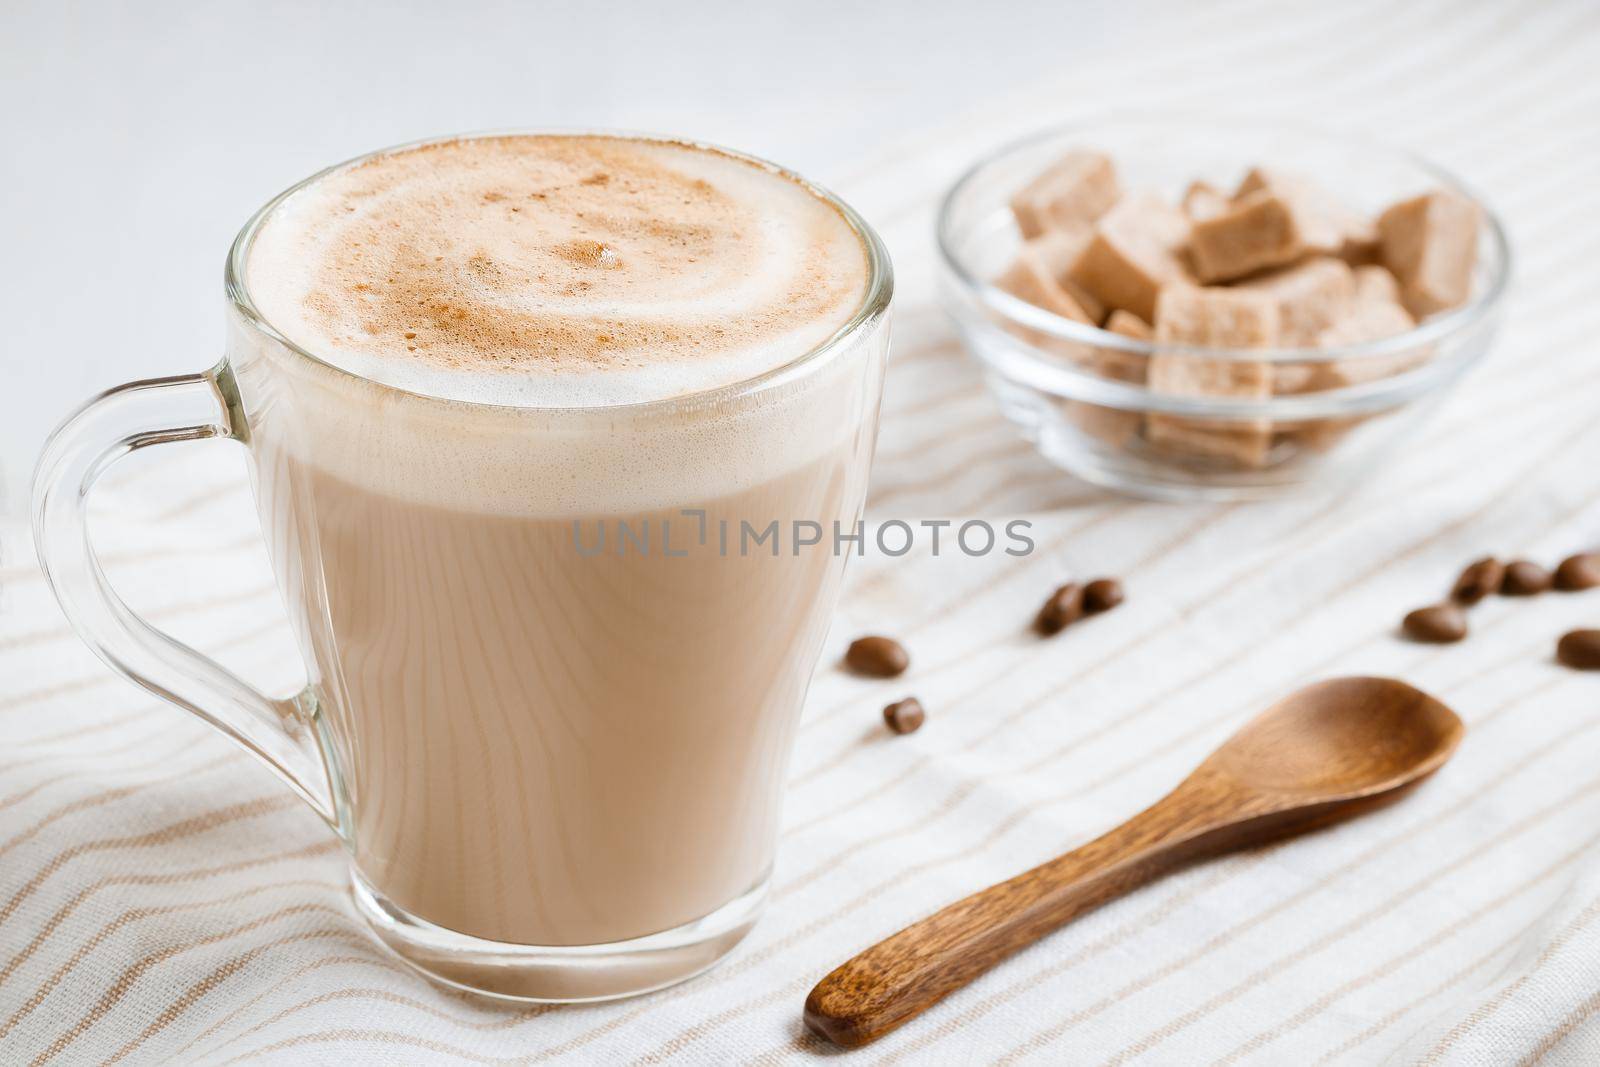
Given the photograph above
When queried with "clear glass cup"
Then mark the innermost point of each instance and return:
(1079, 393)
(558, 771)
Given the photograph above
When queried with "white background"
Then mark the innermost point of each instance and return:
(140, 136)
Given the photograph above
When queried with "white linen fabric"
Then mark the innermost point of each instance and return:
(164, 899)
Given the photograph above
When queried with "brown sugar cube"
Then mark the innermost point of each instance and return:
(1059, 250)
(1114, 426)
(1374, 314)
(1257, 231)
(1071, 193)
(1376, 284)
(1289, 378)
(1129, 325)
(1258, 178)
(1052, 254)
(1202, 200)
(1091, 304)
(1321, 435)
(1367, 320)
(1033, 277)
(1132, 367)
(1364, 250)
(1430, 242)
(1216, 318)
(1327, 225)
(1124, 366)
(1133, 253)
(1311, 296)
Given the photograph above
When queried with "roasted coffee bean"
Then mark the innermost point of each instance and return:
(1064, 608)
(1478, 581)
(1438, 625)
(1580, 650)
(1524, 578)
(1102, 594)
(904, 716)
(877, 657)
(1578, 572)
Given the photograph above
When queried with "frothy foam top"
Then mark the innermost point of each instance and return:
(570, 270)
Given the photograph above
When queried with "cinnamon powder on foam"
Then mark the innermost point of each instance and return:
(626, 269)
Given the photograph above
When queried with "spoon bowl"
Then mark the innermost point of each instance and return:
(1341, 739)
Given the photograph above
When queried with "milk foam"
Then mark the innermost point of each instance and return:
(557, 270)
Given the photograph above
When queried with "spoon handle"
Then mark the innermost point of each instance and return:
(905, 974)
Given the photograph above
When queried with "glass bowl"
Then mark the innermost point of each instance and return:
(1077, 391)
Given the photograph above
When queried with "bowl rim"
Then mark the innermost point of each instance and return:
(1438, 327)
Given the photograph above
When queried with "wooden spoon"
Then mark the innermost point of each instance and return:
(1327, 752)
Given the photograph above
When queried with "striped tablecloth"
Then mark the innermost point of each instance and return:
(162, 898)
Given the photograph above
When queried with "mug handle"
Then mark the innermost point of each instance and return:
(189, 407)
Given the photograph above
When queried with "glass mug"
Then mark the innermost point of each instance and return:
(549, 716)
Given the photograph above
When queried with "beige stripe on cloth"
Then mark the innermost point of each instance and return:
(162, 900)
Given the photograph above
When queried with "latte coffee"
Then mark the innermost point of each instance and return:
(535, 422)
(548, 375)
